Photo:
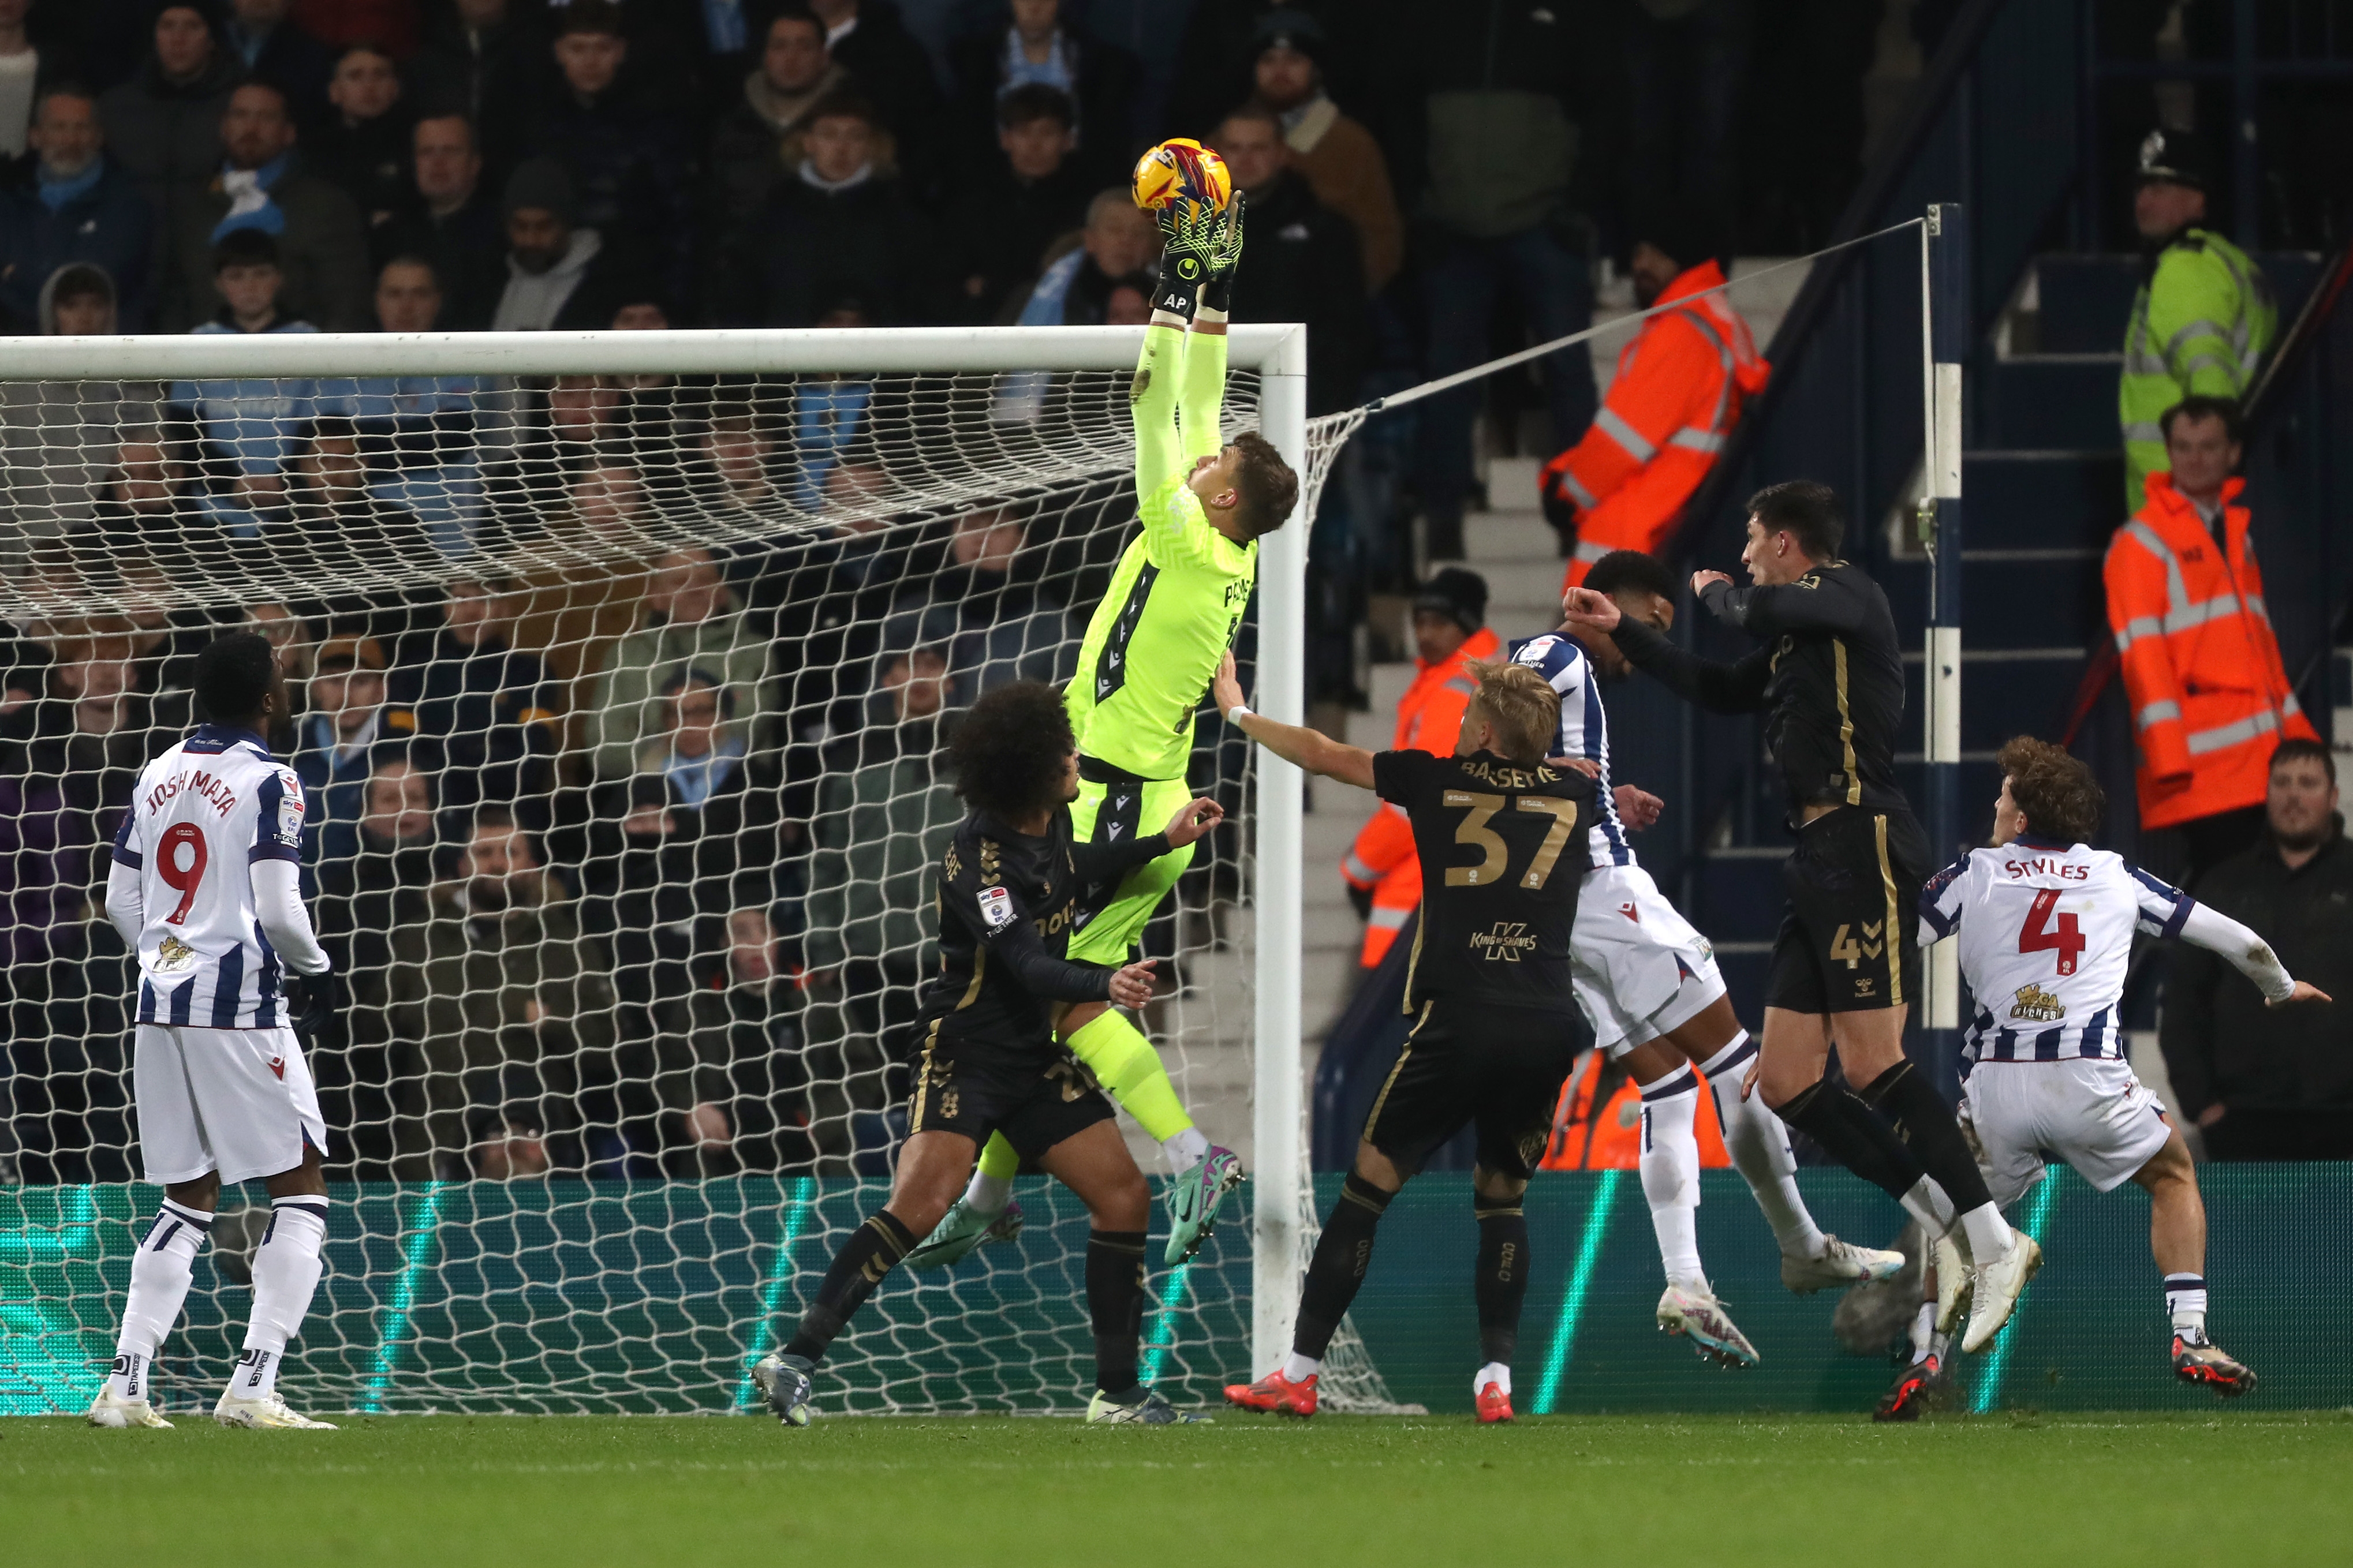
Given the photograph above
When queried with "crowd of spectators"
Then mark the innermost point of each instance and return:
(1429, 188)
(622, 869)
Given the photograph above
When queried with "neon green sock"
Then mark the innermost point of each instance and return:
(999, 1159)
(1127, 1067)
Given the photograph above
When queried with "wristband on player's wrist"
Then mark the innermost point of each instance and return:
(1237, 713)
(1180, 286)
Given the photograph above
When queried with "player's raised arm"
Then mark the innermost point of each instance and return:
(1216, 245)
(1309, 749)
(1718, 687)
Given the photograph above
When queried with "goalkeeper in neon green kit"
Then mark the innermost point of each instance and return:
(1151, 651)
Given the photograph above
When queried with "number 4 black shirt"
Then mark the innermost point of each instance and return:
(1502, 850)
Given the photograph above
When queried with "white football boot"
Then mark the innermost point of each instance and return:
(268, 1413)
(110, 1410)
(1952, 1285)
(1839, 1263)
(1713, 1333)
(1994, 1288)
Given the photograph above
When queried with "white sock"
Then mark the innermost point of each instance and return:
(1186, 1150)
(1928, 1204)
(1670, 1167)
(1988, 1235)
(285, 1274)
(1493, 1371)
(1758, 1142)
(1923, 1330)
(986, 1194)
(2185, 1304)
(159, 1283)
(1299, 1368)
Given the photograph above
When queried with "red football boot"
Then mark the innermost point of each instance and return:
(1494, 1404)
(1275, 1393)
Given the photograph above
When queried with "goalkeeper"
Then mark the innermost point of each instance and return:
(1155, 644)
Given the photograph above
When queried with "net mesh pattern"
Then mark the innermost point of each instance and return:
(621, 702)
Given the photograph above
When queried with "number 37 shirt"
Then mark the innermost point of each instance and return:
(206, 816)
(1503, 849)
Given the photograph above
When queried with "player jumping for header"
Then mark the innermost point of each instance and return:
(1829, 679)
(2045, 925)
(1151, 651)
(205, 891)
(1650, 986)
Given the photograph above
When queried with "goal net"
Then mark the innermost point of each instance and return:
(623, 668)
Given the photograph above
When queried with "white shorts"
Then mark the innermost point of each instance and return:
(2093, 1114)
(240, 1102)
(1639, 967)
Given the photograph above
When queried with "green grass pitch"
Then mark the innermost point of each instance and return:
(2001, 1492)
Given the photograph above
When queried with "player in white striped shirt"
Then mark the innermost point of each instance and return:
(204, 891)
(1648, 984)
(2045, 925)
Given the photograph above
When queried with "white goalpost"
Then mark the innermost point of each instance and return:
(599, 493)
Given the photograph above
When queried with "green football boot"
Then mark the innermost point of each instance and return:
(1193, 1199)
(961, 1229)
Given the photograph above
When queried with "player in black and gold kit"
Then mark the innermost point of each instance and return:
(1829, 680)
(1503, 838)
(1011, 885)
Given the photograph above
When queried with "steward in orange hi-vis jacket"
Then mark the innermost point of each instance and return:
(1672, 407)
(1449, 631)
(2202, 667)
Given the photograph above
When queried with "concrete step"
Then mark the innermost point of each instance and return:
(1500, 535)
(1512, 484)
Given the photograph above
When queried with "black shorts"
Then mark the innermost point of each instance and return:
(1499, 1067)
(1854, 906)
(1037, 1095)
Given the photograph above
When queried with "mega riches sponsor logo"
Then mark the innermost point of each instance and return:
(1505, 941)
(2036, 1005)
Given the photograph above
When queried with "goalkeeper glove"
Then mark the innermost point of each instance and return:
(310, 1005)
(1224, 256)
(1189, 237)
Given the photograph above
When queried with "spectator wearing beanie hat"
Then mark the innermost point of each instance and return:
(1331, 151)
(558, 276)
(1449, 633)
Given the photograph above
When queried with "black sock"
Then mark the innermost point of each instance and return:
(1930, 1130)
(1851, 1135)
(1115, 1305)
(1341, 1254)
(1503, 1279)
(872, 1250)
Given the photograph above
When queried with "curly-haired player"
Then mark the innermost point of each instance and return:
(1150, 652)
(1012, 884)
(2046, 925)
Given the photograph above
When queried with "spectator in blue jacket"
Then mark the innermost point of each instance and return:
(73, 203)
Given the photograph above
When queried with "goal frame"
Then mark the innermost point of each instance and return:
(1276, 352)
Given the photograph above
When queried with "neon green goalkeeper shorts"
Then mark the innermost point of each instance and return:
(1121, 813)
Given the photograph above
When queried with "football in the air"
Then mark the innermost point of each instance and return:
(1180, 170)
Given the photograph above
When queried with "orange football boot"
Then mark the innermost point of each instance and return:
(1275, 1393)
(1494, 1404)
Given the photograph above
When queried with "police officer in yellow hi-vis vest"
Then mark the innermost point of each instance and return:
(2204, 317)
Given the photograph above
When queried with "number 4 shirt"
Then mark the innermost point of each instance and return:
(204, 864)
(2046, 931)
